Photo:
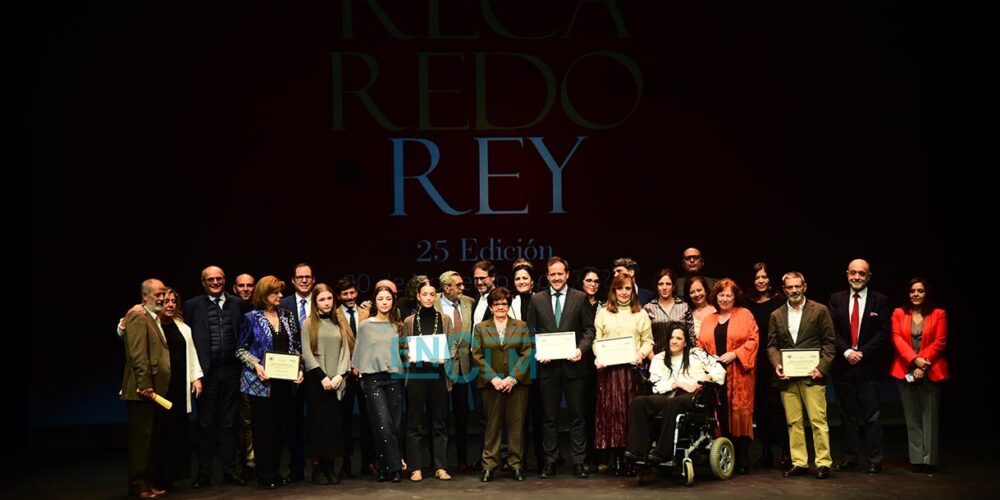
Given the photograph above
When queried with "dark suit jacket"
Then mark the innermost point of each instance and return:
(874, 335)
(576, 317)
(815, 331)
(291, 303)
(196, 316)
(512, 358)
(475, 304)
(147, 358)
(645, 295)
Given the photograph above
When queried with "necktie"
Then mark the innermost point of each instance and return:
(457, 316)
(855, 320)
(558, 308)
(302, 311)
(218, 302)
(354, 326)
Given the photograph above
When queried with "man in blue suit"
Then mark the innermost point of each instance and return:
(300, 304)
(215, 318)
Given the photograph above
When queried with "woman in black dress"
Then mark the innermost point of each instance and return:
(769, 413)
(175, 461)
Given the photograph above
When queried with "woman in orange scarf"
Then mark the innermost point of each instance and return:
(731, 335)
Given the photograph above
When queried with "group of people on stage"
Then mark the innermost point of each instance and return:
(209, 352)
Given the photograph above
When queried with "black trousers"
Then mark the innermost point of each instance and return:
(143, 444)
(535, 417)
(772, 430)
(217, 407)
(384, 398)
(296, 417)
(269, 421)
(642, 409)
(554, 386)
(354, 395)
(427, 397)
(859, 410)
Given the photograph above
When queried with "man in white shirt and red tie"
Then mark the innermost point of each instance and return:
(862, 321)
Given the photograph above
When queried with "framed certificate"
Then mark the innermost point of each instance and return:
(616, 351)
(561, 345)
(429, 348)
(799, 362)
(281, 366)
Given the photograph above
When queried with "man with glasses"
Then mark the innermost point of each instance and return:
(693, 264)
(862, 320)
(458, 307)
(484, 275)
(214, 318)
(803, 324)
(300, 304)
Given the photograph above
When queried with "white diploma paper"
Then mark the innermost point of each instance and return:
(429, 348)
(561, 345)
(281, 366)
(616, 351)
(799, 362)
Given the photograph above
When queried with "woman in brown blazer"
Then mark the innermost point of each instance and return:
(501, 349)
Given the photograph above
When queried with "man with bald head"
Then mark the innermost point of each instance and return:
(862, 321)
(693, 264)
(147, 373)
(243, 286)
(214, 318)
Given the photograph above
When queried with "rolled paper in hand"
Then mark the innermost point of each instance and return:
(160, 400)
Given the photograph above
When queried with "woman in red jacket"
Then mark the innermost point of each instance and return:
(920, 331)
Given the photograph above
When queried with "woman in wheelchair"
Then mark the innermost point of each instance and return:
(676, 380)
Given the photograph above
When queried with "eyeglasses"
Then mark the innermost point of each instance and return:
(691, 257)
(303, 277)
(500, 304)
(215, 280)
(857, 273)
(480, 278)
(592, 280)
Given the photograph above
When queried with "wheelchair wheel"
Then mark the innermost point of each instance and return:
(721, 457)
(688, 472)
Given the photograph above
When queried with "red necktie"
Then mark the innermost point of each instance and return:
(855, 321)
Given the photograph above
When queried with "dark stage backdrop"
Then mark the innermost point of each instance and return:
(383, 139)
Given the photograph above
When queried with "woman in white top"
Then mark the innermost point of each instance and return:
(675, 383)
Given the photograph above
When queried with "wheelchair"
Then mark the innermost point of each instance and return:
(695, 443)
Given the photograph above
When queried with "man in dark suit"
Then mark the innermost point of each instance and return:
(346, 291)
(243, 286)
(215, 318)
(863, 320)
(693, 264)
(147, 373)
(452, 303)
(300, 305)
(484, 276)
(630, 267)
(562, 309)
(802, 324)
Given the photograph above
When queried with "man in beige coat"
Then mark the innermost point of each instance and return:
(147, 373)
